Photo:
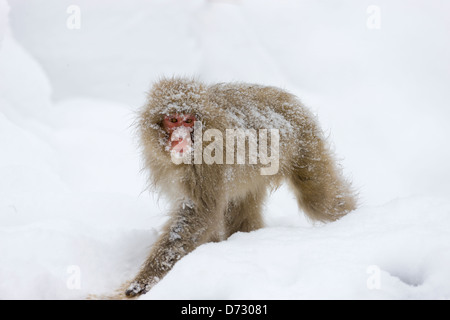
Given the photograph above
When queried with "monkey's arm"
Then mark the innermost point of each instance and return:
(187, 229)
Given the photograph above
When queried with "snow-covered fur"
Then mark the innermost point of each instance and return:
(213, 201)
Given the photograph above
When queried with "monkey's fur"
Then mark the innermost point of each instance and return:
(213, 201)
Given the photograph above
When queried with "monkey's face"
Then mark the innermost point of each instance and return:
(180, 128)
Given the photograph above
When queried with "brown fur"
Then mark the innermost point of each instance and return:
(211, 202)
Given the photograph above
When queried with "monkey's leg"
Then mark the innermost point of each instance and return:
(321, 191)
(185, 231)
(245, 214)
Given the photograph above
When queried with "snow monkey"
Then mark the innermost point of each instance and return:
(217, 190)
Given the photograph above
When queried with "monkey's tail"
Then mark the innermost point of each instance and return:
(321, 190)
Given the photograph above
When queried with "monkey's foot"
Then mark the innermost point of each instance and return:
(139, 287)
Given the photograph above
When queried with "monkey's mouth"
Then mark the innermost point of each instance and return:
(180, 141)
(180, 146)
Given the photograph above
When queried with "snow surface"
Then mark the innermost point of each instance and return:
(75, 218)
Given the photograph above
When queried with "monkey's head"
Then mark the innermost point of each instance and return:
(166, 122)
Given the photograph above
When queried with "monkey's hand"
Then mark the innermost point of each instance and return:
(180, 237)
(141, 286)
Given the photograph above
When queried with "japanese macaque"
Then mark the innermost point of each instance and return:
(217, 189)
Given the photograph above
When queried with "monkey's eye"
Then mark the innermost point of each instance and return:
(173, 120)
(188, 121)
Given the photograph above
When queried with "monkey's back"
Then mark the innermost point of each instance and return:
(251, 106)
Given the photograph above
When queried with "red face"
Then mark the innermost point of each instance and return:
(179, 127)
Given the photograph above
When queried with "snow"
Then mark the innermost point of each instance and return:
(76, 220)
(327, 262)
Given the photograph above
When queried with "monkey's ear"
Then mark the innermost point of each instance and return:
(160, 124)
(160, 119)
